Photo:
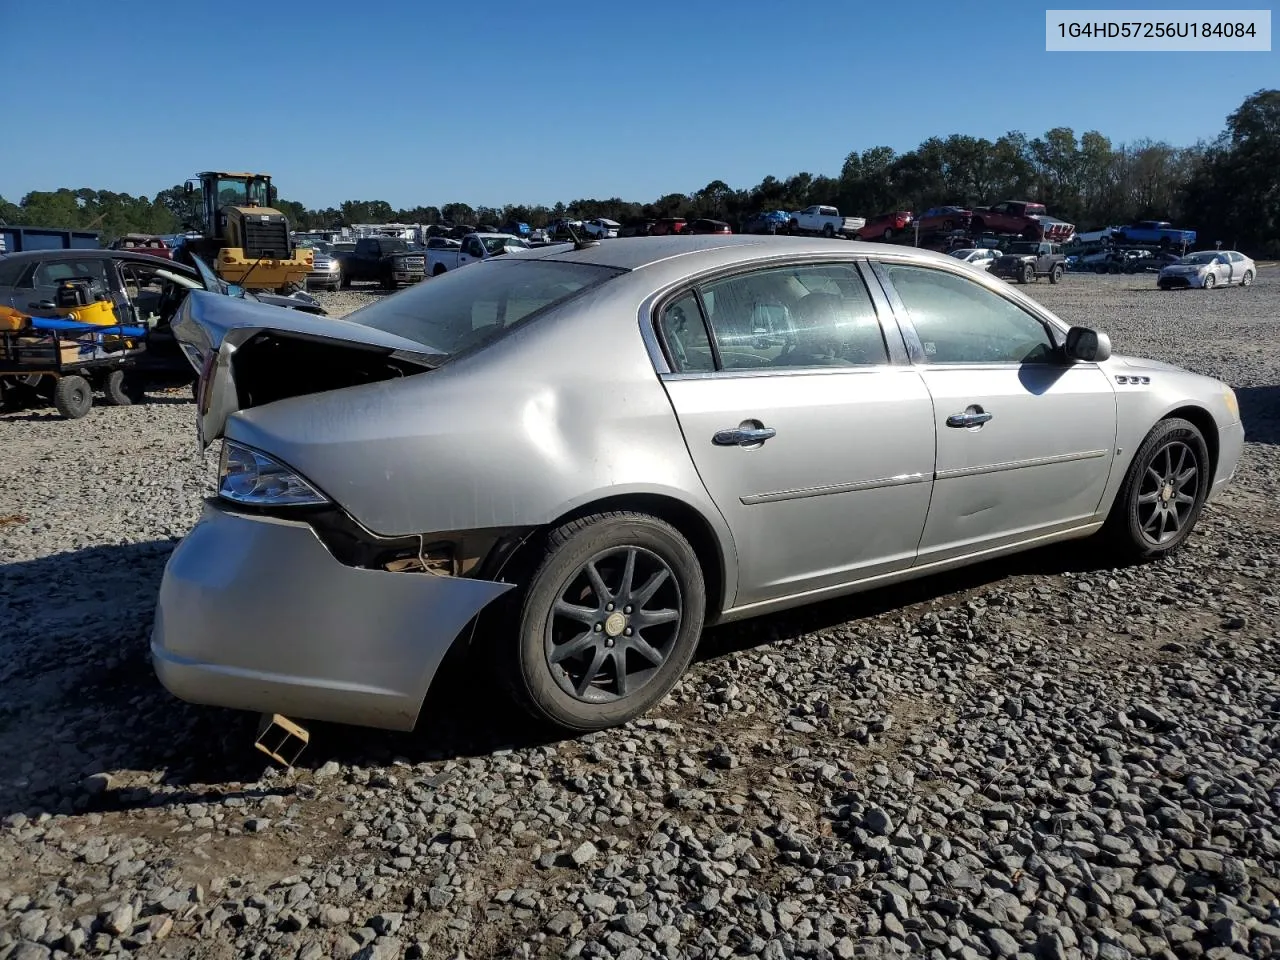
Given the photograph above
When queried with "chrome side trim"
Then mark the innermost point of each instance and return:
(830, 488)
(1018, 464)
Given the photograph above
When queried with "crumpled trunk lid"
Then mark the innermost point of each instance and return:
(250, 354)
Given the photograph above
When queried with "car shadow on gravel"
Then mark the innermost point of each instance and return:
(78, 697)
(1260, 411)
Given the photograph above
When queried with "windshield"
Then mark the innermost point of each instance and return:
(241, 193)
(1207, 256)
(963, 254)
(1024, 248)
(464, 310)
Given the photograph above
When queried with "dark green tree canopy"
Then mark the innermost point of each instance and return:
(1229, 189)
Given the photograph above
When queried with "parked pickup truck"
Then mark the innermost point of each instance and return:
(1154, 231)
(1025, 219)
(388, 260)
(826, 221)
(475, 246)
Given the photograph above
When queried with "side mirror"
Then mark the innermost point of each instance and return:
(235, 290)
(1087, 346)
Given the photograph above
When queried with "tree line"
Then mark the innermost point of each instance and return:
(1228, 189)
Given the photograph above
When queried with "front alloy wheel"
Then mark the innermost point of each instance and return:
(1163, 492)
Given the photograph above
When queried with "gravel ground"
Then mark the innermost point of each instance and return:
(1039, 758)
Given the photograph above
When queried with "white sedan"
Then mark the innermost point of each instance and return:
(978, 256)
(1208, 269)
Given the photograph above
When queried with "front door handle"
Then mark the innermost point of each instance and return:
(973, 417)
(42, 305)
(743, 436)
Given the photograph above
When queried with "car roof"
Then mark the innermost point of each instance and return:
(32, 256)
(709, 251)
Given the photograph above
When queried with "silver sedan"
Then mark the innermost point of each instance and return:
(583, 456)
(1207, 269)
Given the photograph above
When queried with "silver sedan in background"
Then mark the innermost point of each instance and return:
(1207, 269)
(582, 456)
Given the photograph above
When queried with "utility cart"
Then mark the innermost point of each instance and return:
(69, 356)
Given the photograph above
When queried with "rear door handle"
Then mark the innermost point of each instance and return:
(743, 436)
(973, 417)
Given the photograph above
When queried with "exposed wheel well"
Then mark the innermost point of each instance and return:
(684, 518)
(1203, 419)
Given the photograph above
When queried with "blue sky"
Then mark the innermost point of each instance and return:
(533, 101)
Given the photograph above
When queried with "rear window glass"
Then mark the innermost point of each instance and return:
(464, 309)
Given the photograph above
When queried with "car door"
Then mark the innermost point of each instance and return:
(811, 432)
(1025, 438)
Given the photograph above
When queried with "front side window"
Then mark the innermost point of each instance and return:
(463, 310)
(816, 315)
(961, 321)
(52, 272)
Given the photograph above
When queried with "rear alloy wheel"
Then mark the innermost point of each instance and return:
(608, 622)
(1210, 280)
(72, 396)
(1163, 492)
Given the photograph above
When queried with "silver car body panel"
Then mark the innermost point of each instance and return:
(862, 485)
(255, 614)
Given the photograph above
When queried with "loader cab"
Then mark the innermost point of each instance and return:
(220, 192)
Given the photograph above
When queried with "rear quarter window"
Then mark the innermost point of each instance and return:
(464, 310)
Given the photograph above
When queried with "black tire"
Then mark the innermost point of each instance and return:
(388, 282)
(888, 234)
(1028, 273)
(119, 390)
(593, 685)
(1159, 502)
(72, 397)
(1247, 278)
(1056, 273)
(1210, 281)
(345, 282)
(439, 269)
(828, 231)
(793, 227)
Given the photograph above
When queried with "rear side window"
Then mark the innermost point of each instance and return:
(11, 272)
(807, 316)
(463, 310)
(685, 336)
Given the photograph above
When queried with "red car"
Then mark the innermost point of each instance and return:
(885, 226)
(944, 218)
(1028, 220)
(709, 226)
(143, 243)
(669, 226)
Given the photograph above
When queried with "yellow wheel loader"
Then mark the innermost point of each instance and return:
(245, 240)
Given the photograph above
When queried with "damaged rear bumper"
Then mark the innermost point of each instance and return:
(255, 614)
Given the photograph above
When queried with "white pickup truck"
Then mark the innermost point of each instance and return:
(826, 221)
(475, 246)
